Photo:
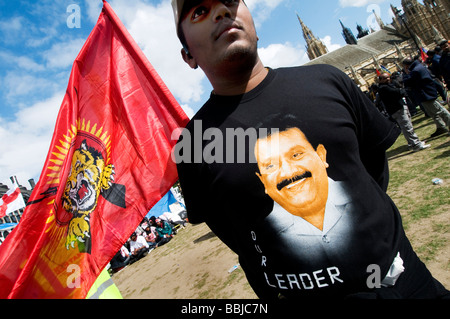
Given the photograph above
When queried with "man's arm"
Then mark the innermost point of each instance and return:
(376, 134)
(376, 164)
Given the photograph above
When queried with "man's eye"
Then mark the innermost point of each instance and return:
(296, 155)
(269, 168)
(198, 12)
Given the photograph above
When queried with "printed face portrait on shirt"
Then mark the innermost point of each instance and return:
(294, 173)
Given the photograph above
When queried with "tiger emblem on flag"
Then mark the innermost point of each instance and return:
(88, 178)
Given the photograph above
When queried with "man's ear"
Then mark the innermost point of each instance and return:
(322, 152)
(187, 57)
(260, 178)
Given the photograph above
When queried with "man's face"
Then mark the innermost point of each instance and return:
(406, 68)
(293, 173)
(217, 32)
(445, 47)
(384, 78)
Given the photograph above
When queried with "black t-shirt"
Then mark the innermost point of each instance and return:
(392, 97)
(281, 253)
(444, 65)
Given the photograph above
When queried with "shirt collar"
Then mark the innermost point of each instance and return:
(338, 198)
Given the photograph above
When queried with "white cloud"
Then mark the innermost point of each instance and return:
(22, 62)
(25, 141)
(330, 46)
(62, 54)
(12, 25)
(282, 55)
(18, 85)
(45, 35)
(23, 31)
(261, 9)
(40, 118)
(188, 110)
(93, 10)
(11, 29)
(358, 3)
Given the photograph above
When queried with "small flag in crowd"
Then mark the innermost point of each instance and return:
(109, 162)
(11, 201)
(423, 54)
(385, 69)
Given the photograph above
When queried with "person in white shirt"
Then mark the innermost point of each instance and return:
(138, 247)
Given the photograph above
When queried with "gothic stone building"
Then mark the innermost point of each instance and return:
(314, 47)
(418, 26)
(429, 21)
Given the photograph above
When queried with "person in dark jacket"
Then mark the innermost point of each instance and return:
(418, 78)
(444, 63)
(433, 63)
(393, 100)
(433, 66)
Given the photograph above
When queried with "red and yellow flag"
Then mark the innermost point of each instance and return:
(109, 162)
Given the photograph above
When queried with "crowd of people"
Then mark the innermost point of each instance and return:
(421, 84)
(151, 233)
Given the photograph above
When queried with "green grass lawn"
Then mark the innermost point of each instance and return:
(424, 207)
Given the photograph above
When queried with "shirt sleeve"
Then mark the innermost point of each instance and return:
(194, 182)
(143, 241)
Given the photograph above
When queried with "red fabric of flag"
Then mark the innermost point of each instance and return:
(109, 162)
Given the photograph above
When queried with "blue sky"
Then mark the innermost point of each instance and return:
(39, 41)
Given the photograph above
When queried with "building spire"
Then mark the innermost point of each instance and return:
(361, 32)
(307, 34)
(314, 47)
(379, 21)
(348, 34)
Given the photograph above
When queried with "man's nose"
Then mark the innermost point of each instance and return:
(221, 11)
(285, 169)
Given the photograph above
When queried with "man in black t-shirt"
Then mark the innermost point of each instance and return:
(288, 254)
